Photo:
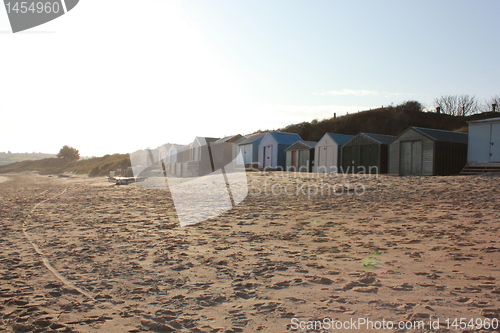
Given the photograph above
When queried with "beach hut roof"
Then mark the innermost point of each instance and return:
(285, 138)
(302, 145)
(252, 139)
(442, 135)
(231, 138)
(340, 139)
(485, 120)
(310, 144)
(207, 139)
(202, 140)
(379, 138)
(176, 146)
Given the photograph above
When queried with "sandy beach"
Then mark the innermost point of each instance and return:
(82, 255)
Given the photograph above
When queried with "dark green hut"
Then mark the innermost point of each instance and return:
(366, 153)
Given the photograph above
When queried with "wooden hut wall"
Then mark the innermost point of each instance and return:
(450, 158)
(281, 158)
(484, 141)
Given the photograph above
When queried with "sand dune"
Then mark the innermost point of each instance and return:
(409, 249)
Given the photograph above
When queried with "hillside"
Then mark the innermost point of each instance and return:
(97, 166)
(388, 120)
(8, 158)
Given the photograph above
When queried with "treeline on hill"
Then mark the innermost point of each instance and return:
(391, 120)
(97, 166)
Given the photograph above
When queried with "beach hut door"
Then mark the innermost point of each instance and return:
(268, 157)
(411, 157)
(495, 143)
(247, 153)
(322, 159)
(294, 160)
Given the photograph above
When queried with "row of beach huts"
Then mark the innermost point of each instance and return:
(416, 151)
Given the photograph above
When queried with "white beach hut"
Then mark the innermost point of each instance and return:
(328, 152)
(483, 154)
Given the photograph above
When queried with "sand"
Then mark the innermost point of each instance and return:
(83, 255)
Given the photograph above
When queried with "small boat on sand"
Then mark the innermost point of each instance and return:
(125, 180)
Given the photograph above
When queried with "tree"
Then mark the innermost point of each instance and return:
(493, 100)
(68, 153)
(458, 105)
(410, 106)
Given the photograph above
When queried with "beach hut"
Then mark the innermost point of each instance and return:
(428, 152)
(484, 146)
(174, 153)
(199, 148)
(250, 148)
(366, 153)
(174, 159)
(199, 160)
(184, 154)
(228, 147)
(272, 149)
(327, 154)
(164, 153)
(484, 141)
(300, 156)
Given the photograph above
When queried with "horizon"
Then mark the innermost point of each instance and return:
(217, 68)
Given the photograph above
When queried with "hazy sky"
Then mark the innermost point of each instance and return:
(120, 75)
